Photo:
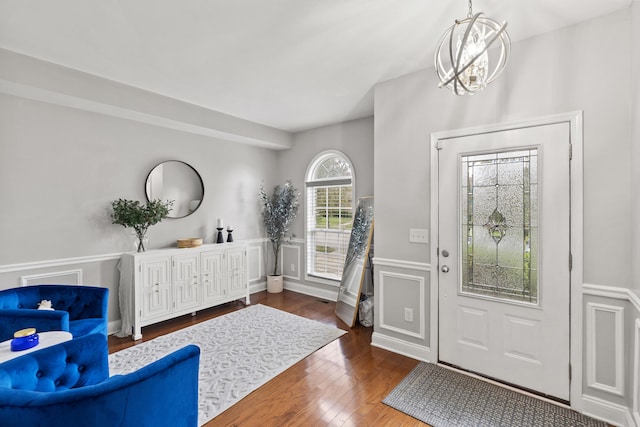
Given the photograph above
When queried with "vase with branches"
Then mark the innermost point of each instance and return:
(279, 210)
(133, 214)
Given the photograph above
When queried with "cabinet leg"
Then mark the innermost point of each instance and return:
(247, 300)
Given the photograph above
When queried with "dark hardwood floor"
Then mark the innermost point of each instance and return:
(342, 384)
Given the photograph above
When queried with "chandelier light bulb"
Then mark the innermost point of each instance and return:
(472, 53)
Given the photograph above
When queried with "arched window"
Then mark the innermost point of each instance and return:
(330, 186)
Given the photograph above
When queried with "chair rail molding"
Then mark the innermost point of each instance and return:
(615, 292)
(9, 268)
(409, 265)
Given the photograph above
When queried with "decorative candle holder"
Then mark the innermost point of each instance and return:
(229, 236)
(24, 339)
(220, 238)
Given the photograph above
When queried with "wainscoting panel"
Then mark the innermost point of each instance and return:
(605, 348)
(68, 277)
(405, 316)
(255, 261)
(291, 262)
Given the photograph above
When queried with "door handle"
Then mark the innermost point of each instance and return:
(445, 269)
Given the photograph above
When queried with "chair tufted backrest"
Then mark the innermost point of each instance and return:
(77, 363)
(26, 297)
(79, 301)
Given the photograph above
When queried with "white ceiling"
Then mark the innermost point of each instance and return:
(290, 64)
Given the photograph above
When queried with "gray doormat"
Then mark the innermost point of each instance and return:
(445, 398)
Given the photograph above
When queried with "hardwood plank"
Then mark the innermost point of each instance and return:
(342, 384)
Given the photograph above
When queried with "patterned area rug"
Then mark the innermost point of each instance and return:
(445, 398)
(239, 352)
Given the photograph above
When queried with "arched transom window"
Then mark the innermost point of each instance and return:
(329, 201)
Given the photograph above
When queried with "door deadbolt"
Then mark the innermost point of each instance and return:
(445, 253)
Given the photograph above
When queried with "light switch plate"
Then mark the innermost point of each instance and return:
(418, 235)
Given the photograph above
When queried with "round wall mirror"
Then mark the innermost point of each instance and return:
(177, 181)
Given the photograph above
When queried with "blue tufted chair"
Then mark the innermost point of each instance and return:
(68, 384)
(81, 310)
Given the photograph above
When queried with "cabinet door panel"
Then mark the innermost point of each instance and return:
(186, 281)
(212, 275)
(156, 287)
(236, 265)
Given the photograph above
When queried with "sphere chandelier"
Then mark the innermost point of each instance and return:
(468, 58)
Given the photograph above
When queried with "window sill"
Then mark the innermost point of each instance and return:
(322, 280)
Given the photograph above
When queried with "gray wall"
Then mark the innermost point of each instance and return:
(353, 138)
(60, 169)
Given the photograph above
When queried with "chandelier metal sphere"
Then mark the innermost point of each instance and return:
(472, 53)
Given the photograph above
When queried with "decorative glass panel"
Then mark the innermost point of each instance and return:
(499, 225)
(333, 167)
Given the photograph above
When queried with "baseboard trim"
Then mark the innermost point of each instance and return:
(257, 287)
(611, 413)
(113, 327)
(327, 294)
(402, 347)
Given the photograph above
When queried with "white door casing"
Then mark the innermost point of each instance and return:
(524, 342)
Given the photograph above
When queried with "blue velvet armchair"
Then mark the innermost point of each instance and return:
(68, 384)
(81, 310)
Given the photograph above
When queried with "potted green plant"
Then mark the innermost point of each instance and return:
(133, 214)
(278, 212)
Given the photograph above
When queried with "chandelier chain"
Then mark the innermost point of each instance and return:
(470, 14)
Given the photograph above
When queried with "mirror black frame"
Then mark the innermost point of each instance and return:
(196, 176)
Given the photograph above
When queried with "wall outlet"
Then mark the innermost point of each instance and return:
(408, 314)
(418, 235)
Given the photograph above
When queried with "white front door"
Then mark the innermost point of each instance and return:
(504, 255)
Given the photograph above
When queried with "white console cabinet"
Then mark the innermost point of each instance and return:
(161, 284)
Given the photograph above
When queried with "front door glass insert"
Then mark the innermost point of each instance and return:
(499, 225)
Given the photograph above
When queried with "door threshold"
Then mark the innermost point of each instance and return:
(522, 390)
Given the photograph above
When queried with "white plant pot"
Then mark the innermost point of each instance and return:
(274, 284)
